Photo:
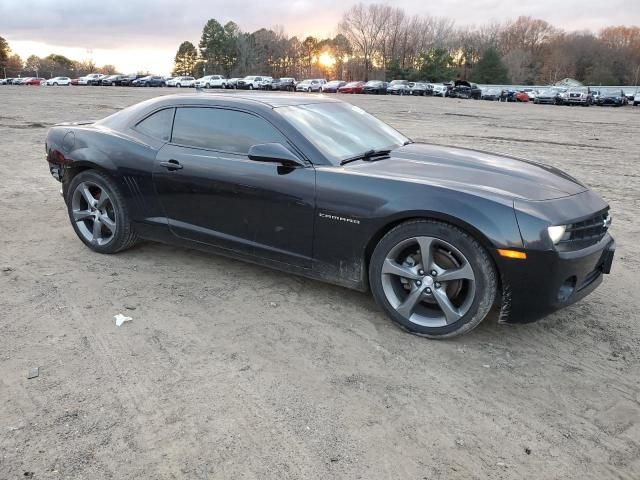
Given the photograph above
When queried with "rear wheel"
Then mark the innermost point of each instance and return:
(98, 213)
(432, 278)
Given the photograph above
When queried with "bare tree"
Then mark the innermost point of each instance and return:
(363, 26)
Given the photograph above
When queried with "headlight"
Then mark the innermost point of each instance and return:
(556, 232)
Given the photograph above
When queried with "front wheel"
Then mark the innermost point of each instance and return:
(55, 84)
(98, 213)
(178, 85)
(432, 278)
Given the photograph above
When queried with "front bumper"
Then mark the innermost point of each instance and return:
(550, 280)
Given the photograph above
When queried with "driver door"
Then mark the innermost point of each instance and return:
(213, 193)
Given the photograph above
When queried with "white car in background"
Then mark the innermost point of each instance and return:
(211, 81)
(311, 85)
(89, 79)
(439, 90)
(180, 82)
(55, 81)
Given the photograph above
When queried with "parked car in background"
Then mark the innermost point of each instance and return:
(398, 87)
(418, 88)
(352, 87)
(310, 85)
(333, 86)
(531, 93)
(180, 82)
(87, 79)
(250, 82)
(266, 83)
(578, 96)
(127, 80)
(232, 82)
(149, 81)
(464, 89)
(491, 94)
(440, 90)
(271, 84)
(549, 96)
(110, 80)
(522, 96)
(636, 98)
(612, 97)
(96, 81)
(20, 80)
(287, 84)
(55, 81)
(211, 81)
(375, 87)
(34, 81)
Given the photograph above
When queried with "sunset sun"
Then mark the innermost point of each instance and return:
(326, 59)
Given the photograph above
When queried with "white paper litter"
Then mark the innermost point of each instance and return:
(120, 319)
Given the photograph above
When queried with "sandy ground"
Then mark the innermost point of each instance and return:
(232, 371)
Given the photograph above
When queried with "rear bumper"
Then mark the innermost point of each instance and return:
(548, 281)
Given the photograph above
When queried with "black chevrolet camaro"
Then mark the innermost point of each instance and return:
(318, 187)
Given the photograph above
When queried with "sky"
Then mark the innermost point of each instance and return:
(144, 34)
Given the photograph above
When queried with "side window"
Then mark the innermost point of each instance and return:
(220, 129)
(157, 125)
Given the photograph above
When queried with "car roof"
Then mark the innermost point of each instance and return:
(272, 100)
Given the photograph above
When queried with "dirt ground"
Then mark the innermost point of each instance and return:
(232, 371)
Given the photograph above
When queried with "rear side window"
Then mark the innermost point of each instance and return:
(157, 125)
(223, 130)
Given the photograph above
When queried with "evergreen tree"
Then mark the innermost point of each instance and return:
(437, 65)
(490, 69)
(185, 59)
(212, 45)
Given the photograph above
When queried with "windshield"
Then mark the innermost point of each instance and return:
(398, 82)
(341, 130)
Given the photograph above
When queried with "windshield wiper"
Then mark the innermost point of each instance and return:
(367, 156)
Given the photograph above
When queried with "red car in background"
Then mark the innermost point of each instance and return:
(352, 87)
(33, 81)
(522, 97)
(75, 81)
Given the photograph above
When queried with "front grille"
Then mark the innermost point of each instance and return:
(588, 231)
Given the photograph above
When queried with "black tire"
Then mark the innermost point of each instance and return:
(125, 236)
(486, 279)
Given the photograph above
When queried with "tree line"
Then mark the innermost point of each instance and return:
(378, 41)
(54, 65)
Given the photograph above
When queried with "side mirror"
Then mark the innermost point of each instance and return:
(275, 153)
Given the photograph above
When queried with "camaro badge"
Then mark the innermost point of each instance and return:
(336, 217)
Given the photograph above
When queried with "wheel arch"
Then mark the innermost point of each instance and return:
(73, 170)
(430, 215)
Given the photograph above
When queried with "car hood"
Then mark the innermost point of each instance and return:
(472, 171)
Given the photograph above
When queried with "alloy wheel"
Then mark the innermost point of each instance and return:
(94, 213)
(428, 281)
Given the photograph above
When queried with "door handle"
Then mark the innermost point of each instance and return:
(172, 164)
